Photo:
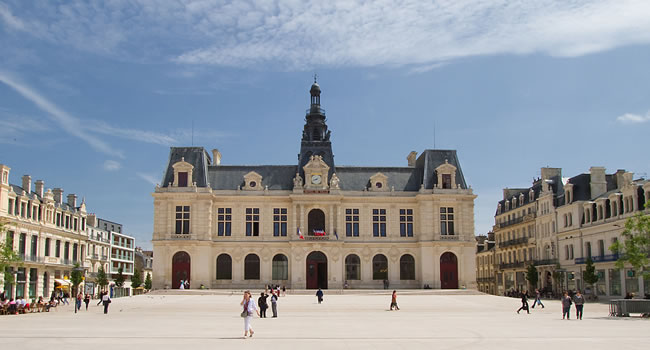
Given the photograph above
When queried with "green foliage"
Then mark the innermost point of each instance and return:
(119, 280)
(531, 275)
(76, 277)
(635, 248)
(590, 276)
(101, 278)
(136, 280)
(558, 276)
(147, 282)
(8, 257)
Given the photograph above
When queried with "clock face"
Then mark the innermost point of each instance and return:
(315, 179)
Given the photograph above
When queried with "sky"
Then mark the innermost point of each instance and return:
(93, 94)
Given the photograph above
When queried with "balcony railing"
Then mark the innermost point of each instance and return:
(486, 279)
(31, 258)
(104, 257)
(512, 242)
(511, 265)
(546, 262)
(599, 258)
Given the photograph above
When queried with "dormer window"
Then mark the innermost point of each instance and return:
(182, 173)
(507, 205)
(252, 181)
(499, 209)
(446, 176)
(514, 202)
(378, 182)
(446, 180)
(531, 195)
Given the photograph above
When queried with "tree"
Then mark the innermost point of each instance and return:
(531, 275)
(8, 256)
(76, 277)
(558, 276)
(136, 280)
(147, 282)
(590, 276)
(635, 248)
(102, 280)
(119, 280)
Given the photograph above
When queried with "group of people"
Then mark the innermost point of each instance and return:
(567, 300)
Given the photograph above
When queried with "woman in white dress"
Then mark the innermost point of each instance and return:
(249, 307)
(182, 286)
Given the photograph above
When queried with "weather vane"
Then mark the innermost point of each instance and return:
(315, 77)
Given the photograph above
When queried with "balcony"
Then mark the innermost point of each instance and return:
(104, 257)
(515, 221)
(514, 265)
(546, 262)
(486, 280)
(513, 242)
(598, 259)
(31, 258)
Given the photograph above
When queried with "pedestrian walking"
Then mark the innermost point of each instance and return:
(106, 300)
(579, 300)
(284, 290)
(524, 302)
(261, 302)
(247, 313)
(101, 296)
(182, 285)
(566, 305)
(65, 298)
(87, 300)
(78, 300)
(274, 304)
(538, 299)
(319, 294)
(393, 301)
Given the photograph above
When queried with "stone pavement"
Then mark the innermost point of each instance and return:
(194, 320)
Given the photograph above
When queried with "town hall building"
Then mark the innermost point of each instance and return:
(313, 224)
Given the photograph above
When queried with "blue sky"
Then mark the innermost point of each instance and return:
(92, 95)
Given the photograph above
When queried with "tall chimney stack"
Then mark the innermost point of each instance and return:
(27, 183)
(58, 195)
(40, 187)
(598, 182)
(72, 200)
(411, 158)
(216, 157)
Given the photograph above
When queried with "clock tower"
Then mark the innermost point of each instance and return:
(316, 140)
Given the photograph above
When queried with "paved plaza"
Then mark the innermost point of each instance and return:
(433, 320)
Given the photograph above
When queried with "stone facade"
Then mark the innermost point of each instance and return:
(313, 224)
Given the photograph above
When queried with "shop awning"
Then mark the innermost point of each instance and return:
(62, 282)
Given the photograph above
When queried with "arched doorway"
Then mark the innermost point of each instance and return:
(315, 221)
(316, 270)
(180, 269)
(549, 281)
(448, 271)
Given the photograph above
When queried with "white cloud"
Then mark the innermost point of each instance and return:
(112, 165)
(303, 35)
(9, 19)
(629, 118)
(152, 179)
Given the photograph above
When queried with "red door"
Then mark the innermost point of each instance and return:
(180, 269)
(316, 271)
(448, 271)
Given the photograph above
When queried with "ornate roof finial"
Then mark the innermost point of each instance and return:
(315, 77)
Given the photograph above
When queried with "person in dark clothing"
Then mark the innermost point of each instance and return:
(319, 294)
(87, 300)
(261, 302)
(101, 295)
(566, 305)
(538, 298)
(107, 301)
(579, 300)
(274, 304)
(524, 302)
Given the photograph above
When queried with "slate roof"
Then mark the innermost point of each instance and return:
(280, 177)
(537, 189)
(34, 196)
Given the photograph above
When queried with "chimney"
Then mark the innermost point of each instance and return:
(72, 200)
(411, 158)
(620, 178)
(216, 157)
(40, 187)
(58, 195)
(91, 220)
(547, 177)
(27, 183)
(598, 182)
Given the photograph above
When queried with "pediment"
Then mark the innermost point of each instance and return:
(253, 181)
(379, 182)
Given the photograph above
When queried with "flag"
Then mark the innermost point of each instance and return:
(300, 234)
(319, 233)
(336, 235)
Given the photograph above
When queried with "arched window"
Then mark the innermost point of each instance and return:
(379, 267)
(352, 267)
(224, 267)
(280, 267)
(407, 267)
(252, 267)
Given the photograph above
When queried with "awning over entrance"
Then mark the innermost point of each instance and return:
(62, 282)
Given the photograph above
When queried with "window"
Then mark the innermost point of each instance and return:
(252, 267)
(588, 250)
(224, 267)
(379, 222)
(34, 247)
(352, 222)
(22, 242)
(182, 179)
(352, 267)
(279, 222)
(57, 251)
(280, 267)
(601, 248)
(11, 206)
(224, 221)
(379, 267)
(566, 252)
(75, 247)
(67, 221)
(182, 219)
(74, 225)
(446, 180)
(407, 267)
(571, 251)
(253, 222)
(406, 222)
(66, 251)
(446, 221)
(47, 247)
